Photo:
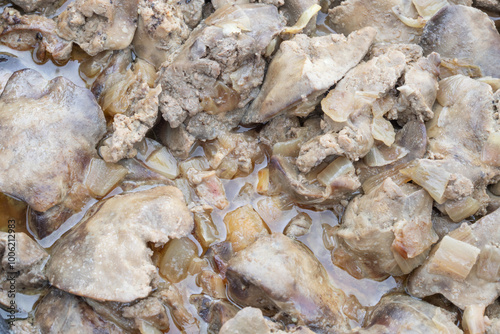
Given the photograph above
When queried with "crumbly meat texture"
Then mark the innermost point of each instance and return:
(322, 62)
(352, 111)
(218, 69)
(163, 26)
(28, 32)
(48, 136)
(476, 288)
(385, 232)
(106, 257)
(99, 25)
(32, 5)
(278, 274)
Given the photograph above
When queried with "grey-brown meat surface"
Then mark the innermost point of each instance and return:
(106, 256)
(277, 274)
(48, 133)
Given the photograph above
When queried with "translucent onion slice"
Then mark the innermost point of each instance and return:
(382, 156)
(103, 176)
(431, 178)
(459, 210)
(289, 148)
(428, 8)
(146, 328)
(163, 162)
(410, 22)
(176, 258)
(488, 264)
(464, 233)
(493, 82)
(303, 20)
(407, 265)
(375, 180)
(473, 319)
(453, 258)
(495, 189)
(491, 150)
(204, 229)
(198, 163)
(339, 167)
(263, 184)
(222, 99)
(244, 226)
(383, 131)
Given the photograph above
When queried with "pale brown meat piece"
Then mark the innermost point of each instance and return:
(303, 70)
(49, 133)
(219, 68)
(490, 5)
(106, 256)
(476, 288)
(353, 15)
(350, 104)
(279, 275)
(385, 232)
(464, 33)
(99, 25)
(404, 315)
(25, 266)
(163, 26)
(27, 32)
(61, 312)
(32, 5)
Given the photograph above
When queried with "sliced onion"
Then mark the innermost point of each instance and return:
(244, 225)
(198, 163)
(431, 178)
(163, 162)
(103, 176)
(383, 131)
(176, 258)
(459, 210)
(407, 265)
(382, 156)
(428, 8)
(414, 23)
(493, 82)
(263, 184)
(339, 167)
(146, 328)
(488, 264)
(473, 319)
(289, 148)
(303, 20)
(453, 258)
(491, 150)
(464, 233)
(394, 173)
(222, 99)
(204, 229)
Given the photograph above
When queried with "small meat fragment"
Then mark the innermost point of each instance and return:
(74, 316)
(353, 15)
(403, 314)
(48, 137)
(105, 257)
(472, 288)
(464, 33)
(385, 232)
(303, 70)
(279, 275)
(129, 96)
(215, 312)
(99, 25)
(27, 32)
(163, 26)
(348, 109)
(219, 69)
(298, 226)
(32, 5)
(208, 187)
(25, 266)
